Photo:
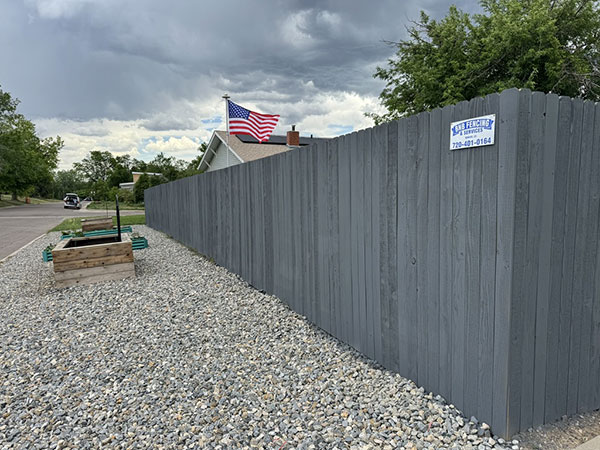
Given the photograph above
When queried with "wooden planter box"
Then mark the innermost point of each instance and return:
(104, 223)
(86, 260)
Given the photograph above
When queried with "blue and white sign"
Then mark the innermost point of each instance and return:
(473, 132)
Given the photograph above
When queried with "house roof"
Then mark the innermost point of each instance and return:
(147, 173)
(249, 151)
(246, 148)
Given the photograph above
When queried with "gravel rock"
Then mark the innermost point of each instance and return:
(187, 355)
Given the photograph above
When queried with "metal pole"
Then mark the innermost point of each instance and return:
(226, 97)
(118, 218)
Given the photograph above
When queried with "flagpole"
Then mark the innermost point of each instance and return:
(226, 97)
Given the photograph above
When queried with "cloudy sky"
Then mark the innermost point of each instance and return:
(141, 77)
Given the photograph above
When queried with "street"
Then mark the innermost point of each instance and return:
(19, 225)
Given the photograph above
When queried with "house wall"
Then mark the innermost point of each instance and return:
(220, 161)
(475, 273)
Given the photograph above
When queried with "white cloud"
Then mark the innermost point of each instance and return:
(175, 146)
(340, 110)
(119, 138)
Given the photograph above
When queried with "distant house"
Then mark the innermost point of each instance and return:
(243, 148)
(136, 176)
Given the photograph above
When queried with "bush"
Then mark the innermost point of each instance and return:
(126, 196)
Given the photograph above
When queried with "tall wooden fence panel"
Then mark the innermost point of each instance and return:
(474, 272)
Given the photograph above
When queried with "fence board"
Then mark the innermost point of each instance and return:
(391, 240)
(445, 256)
(550, 129)
(489, 202)
(384, 250)
(406, 312)
(473, 266)
(355, 231)
(321, 296)
(517, 324)
(345, 306)
(552, 411)
(567, 396)
(459, 249)
(333, 261)
(533, 159)
(432, 278)
(420, 241)
(368, 246)
(379, 143)
(507, 147)
(584, 265)
(359, 207)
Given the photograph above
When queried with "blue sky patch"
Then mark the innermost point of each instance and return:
(340, 129)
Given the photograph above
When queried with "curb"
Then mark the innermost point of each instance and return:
(18, 250)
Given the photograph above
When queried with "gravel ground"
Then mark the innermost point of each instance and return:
(187, 355)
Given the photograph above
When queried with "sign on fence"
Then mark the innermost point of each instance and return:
(473, 132)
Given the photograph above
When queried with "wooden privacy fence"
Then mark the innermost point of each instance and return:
(473, 272)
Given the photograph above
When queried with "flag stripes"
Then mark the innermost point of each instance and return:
(244, 121)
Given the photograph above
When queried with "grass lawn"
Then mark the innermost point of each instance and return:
(75, 222)
(6, 200)
(111, 205)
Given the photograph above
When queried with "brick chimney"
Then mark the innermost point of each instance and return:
(293, 137)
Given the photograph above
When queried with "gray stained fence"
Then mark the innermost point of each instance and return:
(473, 272)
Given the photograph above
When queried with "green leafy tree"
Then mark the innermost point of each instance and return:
(144, 182)
(26, 162)
(139, 166)
(100, 190)
(67, 181)
(165, 165)
(192, 168)
(119, 174)
(97, 166)
(545, 45)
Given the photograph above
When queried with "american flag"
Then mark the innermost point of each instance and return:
(244, 121)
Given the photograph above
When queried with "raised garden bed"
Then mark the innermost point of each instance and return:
(84, 260)
(138, 243)
(104, 223)
(125, 229)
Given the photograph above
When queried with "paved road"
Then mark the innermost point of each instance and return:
(19, 225)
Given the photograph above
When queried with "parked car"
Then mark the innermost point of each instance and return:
(72, 201)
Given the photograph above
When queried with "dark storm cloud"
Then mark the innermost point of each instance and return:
(130, 60)
(166, 123)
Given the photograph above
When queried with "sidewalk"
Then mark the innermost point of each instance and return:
(593, 444)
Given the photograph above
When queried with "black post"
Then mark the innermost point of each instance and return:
(118, 218)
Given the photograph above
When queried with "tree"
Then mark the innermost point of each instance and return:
(545, 45)
(192, 168)
(97, 166)
(144, 182)
(165, 165)
(26, 162)
(67, 181)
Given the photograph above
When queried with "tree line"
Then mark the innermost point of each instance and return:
(99, 174)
